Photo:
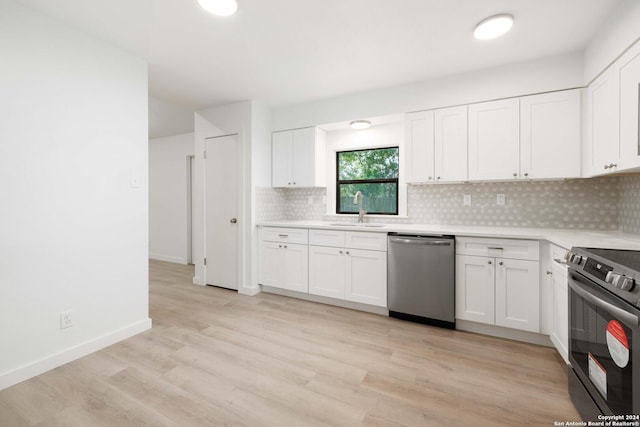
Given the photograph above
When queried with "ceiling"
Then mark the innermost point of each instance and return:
(289, 51)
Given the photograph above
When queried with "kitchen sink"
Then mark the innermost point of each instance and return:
(352, 224)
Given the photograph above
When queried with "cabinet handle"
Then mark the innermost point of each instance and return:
(430, 178)
(526, 174)
(501, 263)
(606, 166)
(515, 174)
(288, 183)
(495, 248)
(559, 261)
(612, 165)
(490, 262)
(347, 252)
(294, 183)
(283, 235)
(280, 246)
(340, 252)
(285, 246)
(549, 273)
(438, 178)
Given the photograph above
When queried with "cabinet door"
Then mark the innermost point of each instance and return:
(475, 298)
(603, 137)
(295, 270)
(418, 151)
(451, 144)
(550, 135)
(518, 294)
(560, 322)
(303, 161)
(327, 271)
(366, 277)
(628, 75)
(281, 159)
(270, 264)
(494, 140)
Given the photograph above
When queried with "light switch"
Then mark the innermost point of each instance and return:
(500, 199)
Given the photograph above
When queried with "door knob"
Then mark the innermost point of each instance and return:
(233, 220)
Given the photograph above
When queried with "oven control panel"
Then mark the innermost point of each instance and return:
(600, 271)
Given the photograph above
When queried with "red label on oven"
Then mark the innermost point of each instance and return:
(617, 343)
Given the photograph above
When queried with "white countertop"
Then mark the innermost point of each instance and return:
(560, 237)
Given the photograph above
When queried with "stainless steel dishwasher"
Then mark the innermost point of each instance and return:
(421, 279)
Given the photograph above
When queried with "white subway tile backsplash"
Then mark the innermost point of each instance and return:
(629, 204)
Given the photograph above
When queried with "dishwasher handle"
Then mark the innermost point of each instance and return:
(420, 241)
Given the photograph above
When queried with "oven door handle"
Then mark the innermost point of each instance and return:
(623, 315)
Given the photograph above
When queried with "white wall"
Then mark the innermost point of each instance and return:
(553, 73)
(73, 230)
(620, 30)
(167, 119)
(168, 197)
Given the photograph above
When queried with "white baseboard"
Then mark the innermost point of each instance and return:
(41, 366)
(197, 281)
(168, 258)
(249, 291)
(326, 300)
(498, 331)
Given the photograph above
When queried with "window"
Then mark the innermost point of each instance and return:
(374, 173)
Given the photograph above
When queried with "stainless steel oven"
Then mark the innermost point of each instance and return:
(604, 336)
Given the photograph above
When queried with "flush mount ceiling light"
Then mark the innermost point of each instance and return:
(493, 27)
(219, 7)
(360, 124)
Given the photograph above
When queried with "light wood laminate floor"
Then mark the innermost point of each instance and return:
(215, 358)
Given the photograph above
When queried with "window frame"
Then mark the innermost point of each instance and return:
(395, 181)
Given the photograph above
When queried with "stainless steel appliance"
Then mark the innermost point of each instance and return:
(421, 279)
(604, 336)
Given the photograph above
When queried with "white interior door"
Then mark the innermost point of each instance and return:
(221, 211)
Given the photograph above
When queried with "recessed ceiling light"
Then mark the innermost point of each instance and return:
(219, 7)
(360, 124)
(493, 27)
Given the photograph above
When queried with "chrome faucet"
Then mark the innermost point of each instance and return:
(361, 211)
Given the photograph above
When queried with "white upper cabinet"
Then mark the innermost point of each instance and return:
(628, 76)
(451, 144)
(601, 129)
(298, 158)
(533, 137)
(436, 145)
(550, 135)
(494, 140)
(419, 147)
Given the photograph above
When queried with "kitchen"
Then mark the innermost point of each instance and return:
(261, 204)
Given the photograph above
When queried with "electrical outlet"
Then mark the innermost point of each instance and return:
(66, 320)
(467, 200)
(500, 199)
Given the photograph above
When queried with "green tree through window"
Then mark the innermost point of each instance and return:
(374, 172)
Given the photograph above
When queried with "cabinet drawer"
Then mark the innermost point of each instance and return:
(364, 240)
(498, 248)
(332, 238)
(288, 235)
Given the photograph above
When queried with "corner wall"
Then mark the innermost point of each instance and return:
(74, 211)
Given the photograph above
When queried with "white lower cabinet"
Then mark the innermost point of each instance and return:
(284, 266)
(327, 271)
(497, 290)
(350, 274)
(284, 258)
(366, 277)
(557, 275)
